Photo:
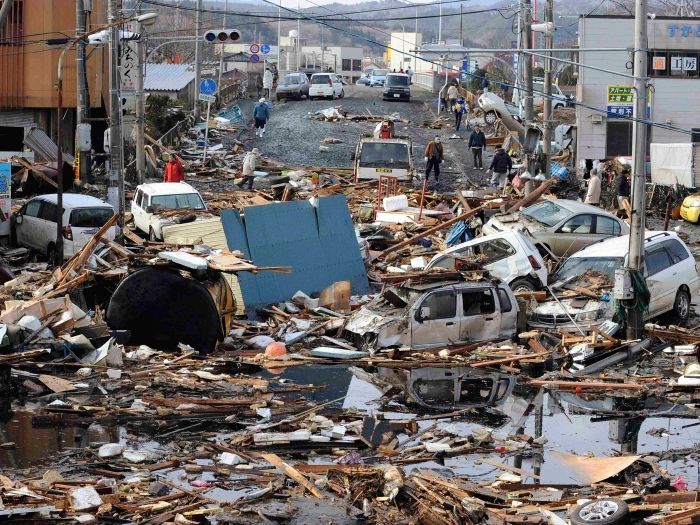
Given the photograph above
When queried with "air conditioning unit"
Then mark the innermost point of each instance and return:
(597, 119)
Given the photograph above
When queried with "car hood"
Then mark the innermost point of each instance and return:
(391, 327)
(555, 308)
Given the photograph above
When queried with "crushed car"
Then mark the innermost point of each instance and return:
(437, 314)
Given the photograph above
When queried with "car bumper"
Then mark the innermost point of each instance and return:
(690, 213)
(321, 92)
(396, 95)
(586, 326)
(288, 93)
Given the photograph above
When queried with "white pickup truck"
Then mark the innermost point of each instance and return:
(150, 199)
(375, 157)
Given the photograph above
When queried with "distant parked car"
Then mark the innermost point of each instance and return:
(377, 77)
(34, 226)
(293, 85)
(149, 199)
(397, 87)
(561, 226)
(325, 85)
(510, 255)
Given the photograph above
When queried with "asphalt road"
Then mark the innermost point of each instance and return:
(294, 139)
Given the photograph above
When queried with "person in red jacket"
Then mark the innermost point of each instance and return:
(174, 171)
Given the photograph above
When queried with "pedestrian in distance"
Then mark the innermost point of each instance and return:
(268, 79)
(623, 189)
(409, 72)
(248, 169)
(593, 191)
(258, 84)
(458, 108)
(261, 113)
(434, 155)
(501, 164)
(174, 172)
(401, 70)
(452, 95)
(477, 143)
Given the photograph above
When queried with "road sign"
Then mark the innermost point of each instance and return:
(207, 98)
(255, 58)
(254, 48)
(207, 86)
(265, 49)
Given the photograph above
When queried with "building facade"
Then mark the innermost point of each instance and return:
(606, 99)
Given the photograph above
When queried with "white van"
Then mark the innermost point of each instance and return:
(326, 85)
(149, 199)
(34, 226)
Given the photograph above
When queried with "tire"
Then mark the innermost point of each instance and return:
(51, 253)
(342, 93)
(491, 117)
(152, 235)
(523, 284)
(681, 306)
(300, 95)
(605, 511)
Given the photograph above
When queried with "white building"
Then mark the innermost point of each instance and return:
(674, 100)
(402, 51)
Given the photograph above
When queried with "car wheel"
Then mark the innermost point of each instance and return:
(152, 235)
(522, 284)
(300, 95)
(278, 98)
(606, 511)
(681, 306)
(342, 93)
(491, 117)
(51, 253)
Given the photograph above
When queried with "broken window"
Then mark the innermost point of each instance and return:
(494, 250)
(506, 305)
(478, 302)
(442, 306)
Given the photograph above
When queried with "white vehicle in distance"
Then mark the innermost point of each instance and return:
(669, 270)
(377, 77)
(325, 85)
(511, 256)
(150, 199)
(34, 226)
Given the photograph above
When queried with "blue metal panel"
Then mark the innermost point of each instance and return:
(318, 244)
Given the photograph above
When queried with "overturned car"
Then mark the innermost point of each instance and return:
(437, 314)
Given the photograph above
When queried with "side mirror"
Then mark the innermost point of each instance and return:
(424, 313)
(18, 219)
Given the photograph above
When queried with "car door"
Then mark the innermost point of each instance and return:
(577, 232)
(606, 227)
(659, 277)
(683, 269)
(434, 320)
(46, 226)
(480, 318)
(27, 229)
(138, 209)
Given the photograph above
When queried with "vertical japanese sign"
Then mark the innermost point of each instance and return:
(128, 62)
(5, 197)
(620, 101)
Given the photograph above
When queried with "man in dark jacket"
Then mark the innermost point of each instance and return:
(500, 167)
(477, 143)
(434, 155)
(623, 189)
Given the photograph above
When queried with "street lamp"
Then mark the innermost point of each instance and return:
(146, 19)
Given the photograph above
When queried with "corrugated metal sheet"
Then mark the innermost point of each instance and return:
(40, 143)
(211, 233)
(17, 118)
(318, 243)
(167, 77)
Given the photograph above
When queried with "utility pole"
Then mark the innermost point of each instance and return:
(197, 57)
(279, 36)
(526, 35)
(140, 103)
(547, 110)
(115, 132)
(323, 53)
(440, 25)
(461, 35)
(223, 46)
(81, 106)
(635, 319)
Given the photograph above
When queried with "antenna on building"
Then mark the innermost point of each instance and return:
(685, 8)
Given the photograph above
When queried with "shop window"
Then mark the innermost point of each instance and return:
(618, 139)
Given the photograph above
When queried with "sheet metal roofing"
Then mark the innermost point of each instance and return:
(167, 77)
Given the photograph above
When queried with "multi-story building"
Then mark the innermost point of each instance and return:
(28, 69)
(606, 99)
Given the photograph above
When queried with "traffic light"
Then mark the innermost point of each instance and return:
(222, 36)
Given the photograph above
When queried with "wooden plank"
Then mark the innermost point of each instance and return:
(276, 461)
(505, 360)
(588, 385)
(508, 468)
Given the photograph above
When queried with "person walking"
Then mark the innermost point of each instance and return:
(477, 143)
(258, 84)
(268, 79)
(500, 167)
(593, 192)
(248, 168)
(623, 189)
(409, 72)
(452, 95)
(174, 172)
(434, 155)
(260, 113)
(458, 108)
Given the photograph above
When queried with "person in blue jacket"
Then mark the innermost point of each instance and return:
(260, 113)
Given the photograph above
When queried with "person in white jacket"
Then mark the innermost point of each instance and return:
(268, 78)
(593, 193)
(248, 168)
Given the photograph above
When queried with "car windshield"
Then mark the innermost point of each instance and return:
(390, 154)
(547, 213)
(292, 79)
(90, 217)
(182, 200)
(380, 72)
(576, 266)
(320, 79)
(396, 80)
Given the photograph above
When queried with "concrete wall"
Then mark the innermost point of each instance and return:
(674, 101)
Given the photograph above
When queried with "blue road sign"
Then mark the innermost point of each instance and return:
(207, 86)
(265, 49)
(255, 58)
